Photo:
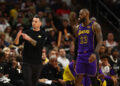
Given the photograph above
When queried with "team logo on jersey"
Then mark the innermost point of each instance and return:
(83, 32)
(39, 36)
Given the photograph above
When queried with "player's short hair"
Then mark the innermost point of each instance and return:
(85, 10)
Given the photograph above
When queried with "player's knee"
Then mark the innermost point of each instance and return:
(79, 78)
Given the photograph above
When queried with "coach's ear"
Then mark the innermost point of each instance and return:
(40, 23)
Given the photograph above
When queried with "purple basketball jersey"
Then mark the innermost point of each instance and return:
(85, 42)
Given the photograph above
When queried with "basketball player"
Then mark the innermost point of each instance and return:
(86, 63)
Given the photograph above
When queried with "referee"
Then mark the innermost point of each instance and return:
(34, 41)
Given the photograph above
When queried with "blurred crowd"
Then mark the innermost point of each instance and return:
(114, 5)
(57, 18)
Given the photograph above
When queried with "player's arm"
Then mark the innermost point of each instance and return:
(98, 33)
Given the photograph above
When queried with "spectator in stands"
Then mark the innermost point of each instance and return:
(108, 51)
(106, 72)
(2, 44)
(63, 12)
(115, 64)
(2, 37)
(19, 21)
(67, 44)
(42, 16)
(49, 25)
(102, 51)
(3, 23)
(51, 31)
(110, 41)
(71, 54)
(6, 50)
(4, 80)
(20, 52)
(66, 27)
(15, 73)
(52, 38)
(101, 75)
(56, 5)
(68, 2)
(7, 32)
(45, 60)
(51, 72)
(73, 18)
(62, 58)
(14, 11)
(52, 52)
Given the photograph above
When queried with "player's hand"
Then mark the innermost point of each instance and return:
(92, 58)
(25, 36)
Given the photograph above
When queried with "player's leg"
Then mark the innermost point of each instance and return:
(92, 71)
(86, 81)
(80, 71)
(78, 81)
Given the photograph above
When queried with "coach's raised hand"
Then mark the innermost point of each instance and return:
(25, 36)
(16, 41)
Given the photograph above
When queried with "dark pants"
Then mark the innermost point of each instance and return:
(31, 73)
(18, 83)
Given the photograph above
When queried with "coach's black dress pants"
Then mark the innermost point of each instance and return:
(31, 73)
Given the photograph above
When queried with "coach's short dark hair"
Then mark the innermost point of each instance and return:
(36, 16)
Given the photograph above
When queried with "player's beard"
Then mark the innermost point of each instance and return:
(82, 20)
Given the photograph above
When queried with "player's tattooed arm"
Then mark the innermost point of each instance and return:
(98, 33)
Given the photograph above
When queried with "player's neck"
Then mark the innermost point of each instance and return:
(36, 29)
(86, 22)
